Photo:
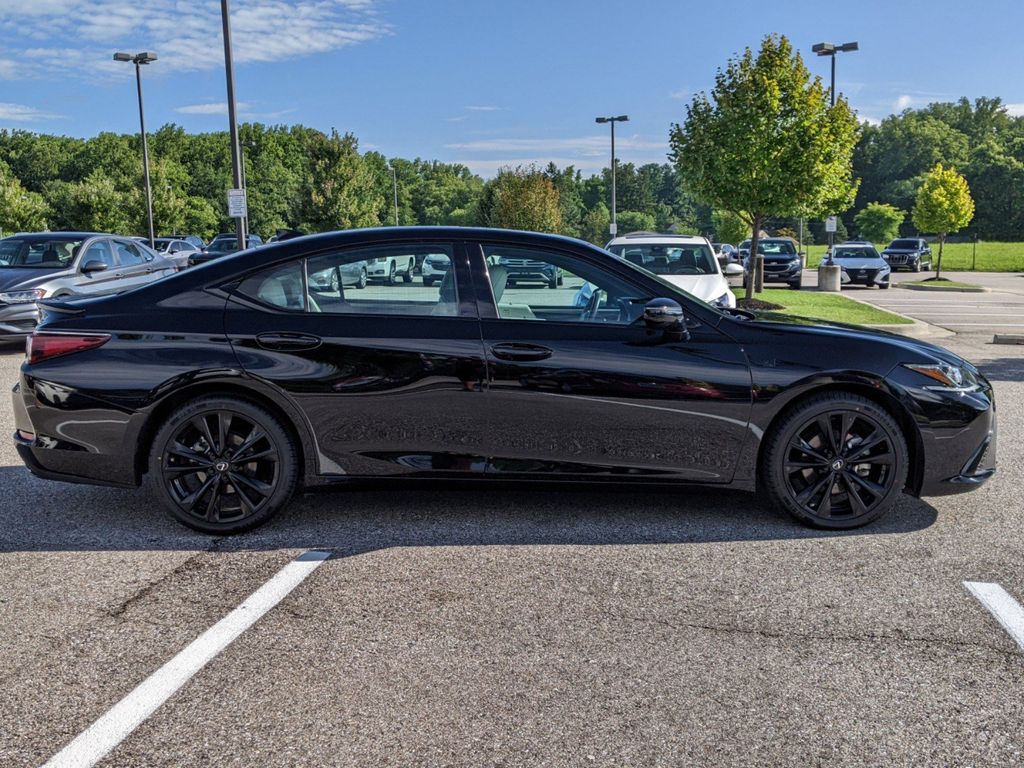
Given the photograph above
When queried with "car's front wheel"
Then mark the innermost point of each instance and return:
(836, 461)
(363, 279)
(222, 465)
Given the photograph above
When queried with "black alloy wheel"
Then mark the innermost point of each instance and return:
(223, 465)
(837, 461)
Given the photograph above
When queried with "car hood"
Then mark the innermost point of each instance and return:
(865, 263)
(772, 321)
(23, 279)
(902, 250)
(704, 287)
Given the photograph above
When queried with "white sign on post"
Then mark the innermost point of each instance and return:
(238, 207)
(830, 224)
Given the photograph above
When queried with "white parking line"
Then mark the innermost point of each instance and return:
(1001, 605)
(90, 746)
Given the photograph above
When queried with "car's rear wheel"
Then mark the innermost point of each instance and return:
(363, 279)
(407, 275)
(223, 465)
(391, 274)
(836, 461)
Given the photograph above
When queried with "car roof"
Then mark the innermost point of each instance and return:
(61, 235)
(652, 238)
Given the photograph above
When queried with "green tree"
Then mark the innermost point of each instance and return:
(943, 205)
(521, 198)
(729, 227)
(635, 221)
(766, 142)
(595, 224)
(879, 222)
(20, 210)
(343, 192)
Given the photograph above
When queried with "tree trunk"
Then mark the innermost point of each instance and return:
(755, 273)
(938, 263)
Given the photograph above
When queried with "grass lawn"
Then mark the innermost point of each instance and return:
(956, 257)
(931, 282)
(825, 306)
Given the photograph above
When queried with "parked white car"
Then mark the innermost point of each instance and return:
(687, 261)
(388, 268)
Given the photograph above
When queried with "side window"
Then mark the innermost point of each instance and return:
(100, 251)
(349, 282)
(128, 254)
(530, 284)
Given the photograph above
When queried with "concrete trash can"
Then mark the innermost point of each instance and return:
(830, 278)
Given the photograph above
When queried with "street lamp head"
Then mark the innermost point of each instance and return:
(622, 118)
(600, 119)
(145, 57)
(849, 47)
(823, 49)
(119, 56)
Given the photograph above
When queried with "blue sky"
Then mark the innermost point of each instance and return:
(482, 82)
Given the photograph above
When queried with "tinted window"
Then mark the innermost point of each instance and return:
(776, 247)
(128, 254)
(331, 283)
(694, 259)
(99, 251)
(530, 284)
(905, 244)
(854, 253)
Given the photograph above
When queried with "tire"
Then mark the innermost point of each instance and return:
(363, 279)
(561, 280)
(797, 285)
(799, 464)
(407, 275)
(553, 282)
(390, 279)
(335, 281)
(916, 267)
(428, 281)
(884, 286)
(201, 484)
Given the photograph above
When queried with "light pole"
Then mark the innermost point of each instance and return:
(614, 227)
(138, 60)
(236, 152)
(394, 184)
(830, 50)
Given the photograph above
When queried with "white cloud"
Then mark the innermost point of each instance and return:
(585, 145)
(905, 101)
(22, 113)
(214, 108)
(1015, 110)
(186, 33)
(484, 109)
(682, 93)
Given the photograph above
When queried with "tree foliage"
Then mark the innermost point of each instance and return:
(729, 227)
(943, 205)
(766, 142)
(879, 222)
(521, 198)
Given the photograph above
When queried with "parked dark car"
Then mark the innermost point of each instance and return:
(222, 245)
(782, 262)
(522, 269)
(861, 265)
(238, 382)
(912, 253)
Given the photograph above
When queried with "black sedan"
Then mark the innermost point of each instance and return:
(231, 385)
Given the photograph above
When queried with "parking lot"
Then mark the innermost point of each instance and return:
(481, 626)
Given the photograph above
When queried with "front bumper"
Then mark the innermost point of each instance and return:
(17, 321)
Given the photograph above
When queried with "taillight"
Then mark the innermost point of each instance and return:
(43, 346)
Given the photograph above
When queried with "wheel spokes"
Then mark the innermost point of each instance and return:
(806, 448)
(251, 483)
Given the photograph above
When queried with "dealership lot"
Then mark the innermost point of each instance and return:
(482, 625)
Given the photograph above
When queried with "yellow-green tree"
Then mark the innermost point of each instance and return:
(943, 205)
(766, 143)
(521, 198)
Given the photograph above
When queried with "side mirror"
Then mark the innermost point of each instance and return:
(666, 315)
(732, 268)
(94, 265)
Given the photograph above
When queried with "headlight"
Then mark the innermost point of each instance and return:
(723, 300)
(22, 297)
(948, 378)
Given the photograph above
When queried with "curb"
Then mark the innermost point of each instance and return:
(942, 288)
(915, 329)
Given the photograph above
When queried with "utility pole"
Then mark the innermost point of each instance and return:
(229, 70)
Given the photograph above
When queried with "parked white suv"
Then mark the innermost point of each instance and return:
(687, 261)
(388, 268)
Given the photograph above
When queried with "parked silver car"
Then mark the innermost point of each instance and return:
(176, 250)
(57, 264)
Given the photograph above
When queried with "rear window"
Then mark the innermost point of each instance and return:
(696, 259)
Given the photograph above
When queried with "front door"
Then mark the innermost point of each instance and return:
(578, 385)
(390, 377)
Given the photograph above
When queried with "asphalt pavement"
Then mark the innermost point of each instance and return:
(481, 626)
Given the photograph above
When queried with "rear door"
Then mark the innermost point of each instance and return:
(389, 377)
(134, 265)
(578, 387)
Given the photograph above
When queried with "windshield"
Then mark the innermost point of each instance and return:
(223, 245)
(38, 253)
(910, 245)
(695, 259)
(776, 248)
(855, 253)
